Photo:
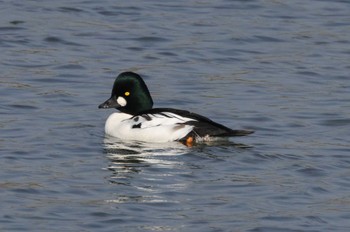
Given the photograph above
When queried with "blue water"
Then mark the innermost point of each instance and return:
(280, 68)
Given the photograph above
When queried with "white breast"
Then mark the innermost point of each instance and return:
(163, 127)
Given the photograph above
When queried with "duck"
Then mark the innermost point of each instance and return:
(137, 120)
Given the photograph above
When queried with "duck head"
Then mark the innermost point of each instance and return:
(129, 94)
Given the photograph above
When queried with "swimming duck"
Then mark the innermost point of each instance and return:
(137, 120)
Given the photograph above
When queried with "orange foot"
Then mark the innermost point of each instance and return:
(189, 141)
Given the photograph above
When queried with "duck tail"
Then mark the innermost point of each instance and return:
(238, 133)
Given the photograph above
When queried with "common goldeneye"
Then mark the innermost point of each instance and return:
(137, 120)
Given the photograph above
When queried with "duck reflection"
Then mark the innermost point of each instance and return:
(130, 157)
(152, 172)
(145, 172)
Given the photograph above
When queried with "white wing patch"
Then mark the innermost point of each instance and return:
(162, 119)
(159, 127)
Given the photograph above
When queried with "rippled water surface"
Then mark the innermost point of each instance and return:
(280, 68)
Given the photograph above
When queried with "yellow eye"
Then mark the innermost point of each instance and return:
(127, 93)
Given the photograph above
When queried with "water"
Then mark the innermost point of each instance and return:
(280, 68)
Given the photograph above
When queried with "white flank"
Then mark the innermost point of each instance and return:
(152, 128)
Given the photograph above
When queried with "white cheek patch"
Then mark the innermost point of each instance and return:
(121, 101)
